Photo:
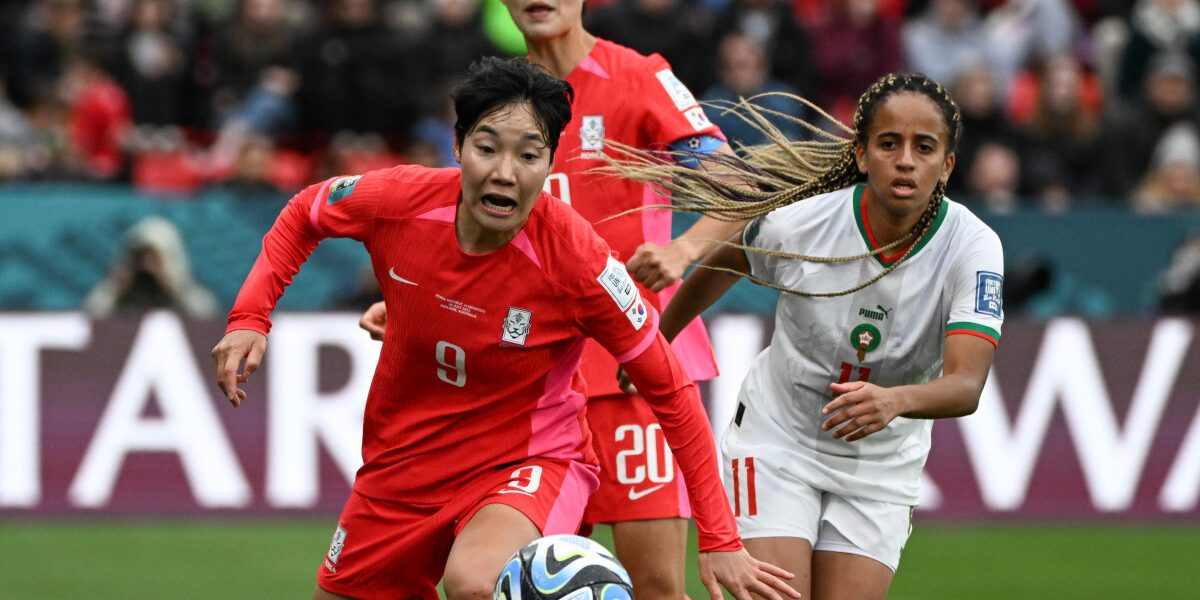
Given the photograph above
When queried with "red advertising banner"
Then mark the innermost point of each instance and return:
(1080, 420)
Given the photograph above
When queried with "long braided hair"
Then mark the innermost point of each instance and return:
(782, 171)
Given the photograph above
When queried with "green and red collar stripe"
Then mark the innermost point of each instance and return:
(864, 228)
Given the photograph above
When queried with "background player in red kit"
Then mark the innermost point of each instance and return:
(474, 441)
(637, 101)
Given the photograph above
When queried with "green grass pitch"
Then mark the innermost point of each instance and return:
(267, 559)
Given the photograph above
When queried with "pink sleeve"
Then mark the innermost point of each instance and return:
(676, 403)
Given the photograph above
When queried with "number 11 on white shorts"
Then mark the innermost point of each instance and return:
(743, 471)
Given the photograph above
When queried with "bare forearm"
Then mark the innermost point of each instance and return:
(701, 288)
(705, 234)
(953, 395)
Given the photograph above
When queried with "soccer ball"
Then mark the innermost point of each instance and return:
(563, 567)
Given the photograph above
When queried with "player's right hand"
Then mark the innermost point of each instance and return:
(374, 321)
(744, 576)
(237, 346)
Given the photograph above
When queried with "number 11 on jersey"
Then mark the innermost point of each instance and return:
(864, 373)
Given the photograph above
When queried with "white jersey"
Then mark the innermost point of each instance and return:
(890, 333)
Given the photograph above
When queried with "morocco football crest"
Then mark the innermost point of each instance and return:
(865, 338)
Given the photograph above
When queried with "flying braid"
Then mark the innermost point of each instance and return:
(782, 171)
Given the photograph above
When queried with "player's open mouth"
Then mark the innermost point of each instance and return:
(539, 10)
(904, 188)
(498, 205)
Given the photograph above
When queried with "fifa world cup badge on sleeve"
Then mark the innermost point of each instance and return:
(341, 188)
(617, 282)
(989, 293)
(335, 548)
(516, 326)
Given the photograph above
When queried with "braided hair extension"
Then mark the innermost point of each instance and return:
(782, 171)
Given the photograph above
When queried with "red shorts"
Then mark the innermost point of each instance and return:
(384, 549)
(638, 476)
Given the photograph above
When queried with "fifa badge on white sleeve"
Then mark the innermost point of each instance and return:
(989, 293)
(591, 133)
(516, 326)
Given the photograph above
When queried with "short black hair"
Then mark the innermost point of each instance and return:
(494, 83)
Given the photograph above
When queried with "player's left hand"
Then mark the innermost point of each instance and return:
(656, 266)
(859, 409)
(743, 575)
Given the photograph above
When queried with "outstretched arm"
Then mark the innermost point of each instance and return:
(702, 287)
(658, 266)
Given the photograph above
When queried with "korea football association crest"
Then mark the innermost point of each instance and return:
(591, 133)
(516, 326)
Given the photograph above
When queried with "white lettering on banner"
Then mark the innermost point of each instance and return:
(300, 415)
(1181, 490)
(1067, 371)
(161, 365)
(22, 338)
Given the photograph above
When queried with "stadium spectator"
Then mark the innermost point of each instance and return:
(947, 40)
(827, 487)
(743, 72)
(152, 65)
(1131, 131)
(1024, 32)
(984, 124)
(502, 284)
(993, 177)
(1173, 182)
(151, 272)
(258, 49)
(252, 175)
(454, 40)
(98, 119)
(357, 75)
(853, 45)
(21, 149)
(773, 26)
(1157, 27)
(1060, 143)
(55, 31)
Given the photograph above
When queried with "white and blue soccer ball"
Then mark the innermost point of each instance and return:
(563, 567)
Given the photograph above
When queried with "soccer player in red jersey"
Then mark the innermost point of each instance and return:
(635, 100)
(474, 440)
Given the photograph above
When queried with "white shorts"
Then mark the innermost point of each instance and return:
(773, 502)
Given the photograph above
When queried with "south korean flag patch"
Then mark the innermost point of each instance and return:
(637, 314)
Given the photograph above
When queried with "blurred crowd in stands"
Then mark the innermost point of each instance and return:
(1065, 102)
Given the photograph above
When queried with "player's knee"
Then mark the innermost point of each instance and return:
(464, 584)
(657, 586)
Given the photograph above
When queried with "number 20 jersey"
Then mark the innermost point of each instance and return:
(890, 333)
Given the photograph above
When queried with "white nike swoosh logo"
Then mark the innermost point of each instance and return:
(636, 495)
(392, 272)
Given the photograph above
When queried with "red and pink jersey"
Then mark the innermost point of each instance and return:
(636, 100)
(479, 366)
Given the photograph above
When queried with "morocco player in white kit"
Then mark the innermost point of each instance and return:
(823, 457)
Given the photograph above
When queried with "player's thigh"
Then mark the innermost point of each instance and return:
(385, 549)
(489, 539)
(639, 479)
(654, 552)
(858, 547)
(793, 554)
(507, 509)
